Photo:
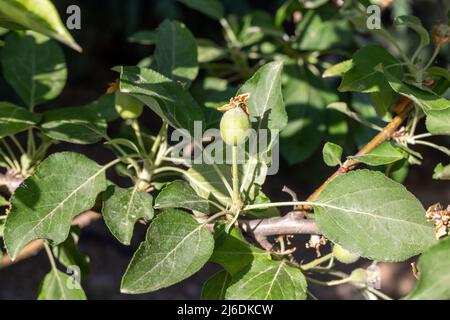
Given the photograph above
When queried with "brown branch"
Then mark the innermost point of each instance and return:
(403, 109)
(33, 248)
(290, 223)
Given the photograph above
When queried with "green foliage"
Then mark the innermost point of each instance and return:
(14, 119)
(332, 154)
(433, 283)
(268, 280)
(37, 15)
(387, 223)
(176, 52)
(385, 153)
(55, 287)
(216, 286)
(33, 213)
(34, 66)
(175, 247)
(122, 208)
(198, 212)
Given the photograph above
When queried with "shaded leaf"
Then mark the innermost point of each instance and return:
(216, 286)
(176, 52)
(14, 119)
(365, 76)
(232, 251)
(208, 51)
(179, 194)
(321, 30)
(146, 37)
(34, 66)
(74, 125)
(175, 247)
(103, 107)
(332, 154)
(415, 24)
(212, 8)
(306, 96)
(68, 254)
(122, 208)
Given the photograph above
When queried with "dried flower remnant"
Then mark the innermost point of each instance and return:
(441, 35)
(315, 242)
(440, 217)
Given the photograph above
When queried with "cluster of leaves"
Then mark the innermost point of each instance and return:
(192, 217)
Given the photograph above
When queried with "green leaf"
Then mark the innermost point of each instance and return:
(434, 280)
(78, 125)
(34, 66)
(179, 194)
(38, 15)
(122, 208)
(232, 251)
(415, 24)
(428, 100)
(385, 153)
(212, 8)
(104, 107)
(164, 97)
(14, 119)
(441, 172)
(3, 202)
(59, 286)
(306, 96)
(145, 37)
(373, 216)
(338, 69)
(176, 52)
(436, 71)
(208, 51)
(68, 254)
(216, 286)
(320, 30)
(175, 247)
(207, 181)
(268, 280)
(365, 76)
(332, 154)
(382, 101)
(438, 121)
(266, 99)
(64, 185)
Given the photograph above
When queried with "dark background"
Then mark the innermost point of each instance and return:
(106, 25)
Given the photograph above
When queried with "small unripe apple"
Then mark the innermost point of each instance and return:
(343, 255)
(127, 106)
(359, 277)
(234, 126)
